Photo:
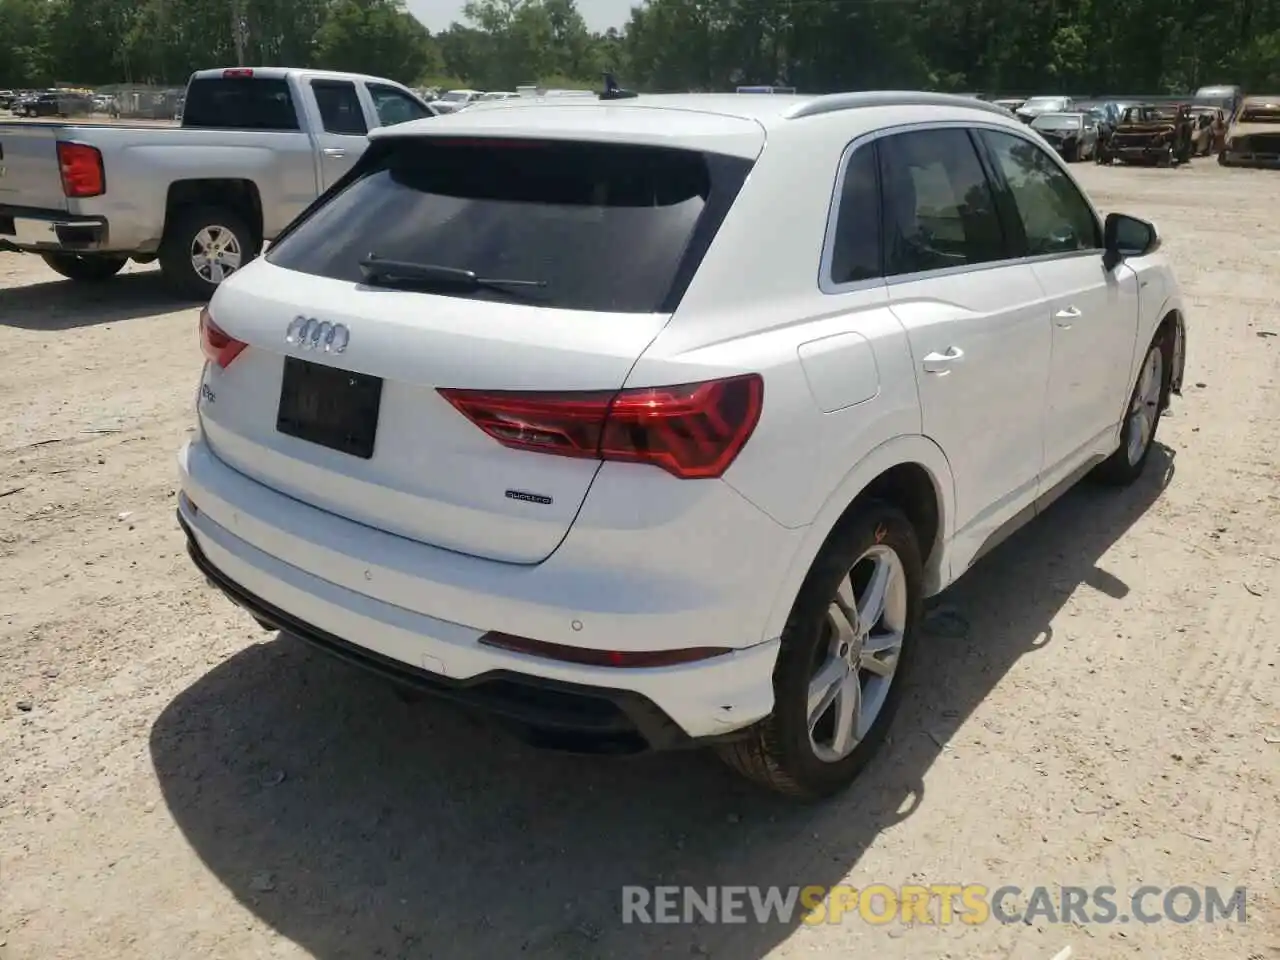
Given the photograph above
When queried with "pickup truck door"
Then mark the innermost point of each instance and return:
(341, 130)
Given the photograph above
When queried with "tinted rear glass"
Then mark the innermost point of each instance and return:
(240, 104)
(605, 227)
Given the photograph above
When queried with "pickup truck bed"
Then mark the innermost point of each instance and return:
(256, 147)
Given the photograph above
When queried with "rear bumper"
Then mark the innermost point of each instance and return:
(22, 228)
(319, 576)
(1243, 159)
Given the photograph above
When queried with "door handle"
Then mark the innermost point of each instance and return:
(939, 363)
(335, 152)
(1064, 317)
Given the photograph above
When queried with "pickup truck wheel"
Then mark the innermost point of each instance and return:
(202, 247)
(1138, 434)
(844, 655)
(84, 267)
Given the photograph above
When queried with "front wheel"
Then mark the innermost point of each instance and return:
(845, 651)
(1138, 434)
(85, 267)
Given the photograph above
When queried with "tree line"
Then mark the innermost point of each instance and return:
(1011, 46)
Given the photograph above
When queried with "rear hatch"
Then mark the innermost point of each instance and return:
(336, 400)
(29, 159)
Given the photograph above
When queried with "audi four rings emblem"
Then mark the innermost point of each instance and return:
(312, 334)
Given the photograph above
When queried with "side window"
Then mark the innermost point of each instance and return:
(394, 107)
(1054, 214)
(855, 242)
(939, 210)
(339, 107)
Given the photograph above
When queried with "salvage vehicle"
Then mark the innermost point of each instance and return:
(695, 498)
(1035, 106)
(1012, 104)
(255, 148)
(1253, 139)
(1151, 133)
(1204, 121)
(1073, 135)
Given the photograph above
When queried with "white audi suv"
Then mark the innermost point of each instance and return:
(650, 422)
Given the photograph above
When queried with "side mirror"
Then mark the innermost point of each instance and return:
(1124, 236)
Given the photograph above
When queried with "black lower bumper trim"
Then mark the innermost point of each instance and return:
(547, 713)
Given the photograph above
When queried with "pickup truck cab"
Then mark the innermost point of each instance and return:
(255, 147)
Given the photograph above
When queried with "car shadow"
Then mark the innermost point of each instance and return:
(357, 825)
(65, 304)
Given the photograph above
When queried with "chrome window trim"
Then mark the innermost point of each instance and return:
(833, 211)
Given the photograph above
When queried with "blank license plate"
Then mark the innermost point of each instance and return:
(331, 407)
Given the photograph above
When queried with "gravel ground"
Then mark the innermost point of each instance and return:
(1098, 703)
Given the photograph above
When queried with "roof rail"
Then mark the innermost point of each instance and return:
(833, 102)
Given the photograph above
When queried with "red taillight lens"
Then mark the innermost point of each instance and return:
(692, 430)
(237, 73)
(81, 166)
(218, 347)
(633, 659)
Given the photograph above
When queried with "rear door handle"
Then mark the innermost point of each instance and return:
(334, 152)
(1065, 317)
(940, 363)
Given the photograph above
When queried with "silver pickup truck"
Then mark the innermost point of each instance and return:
(255, 147)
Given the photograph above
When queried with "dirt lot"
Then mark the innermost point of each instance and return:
(1099, 704)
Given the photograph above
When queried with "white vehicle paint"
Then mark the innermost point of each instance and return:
(878, 407)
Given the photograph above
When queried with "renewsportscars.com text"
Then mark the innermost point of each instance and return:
(943, 904)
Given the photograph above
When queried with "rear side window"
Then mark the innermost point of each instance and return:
(240, 104)
(939, 209)
(339, 105)
(856, 241)
(603, 227)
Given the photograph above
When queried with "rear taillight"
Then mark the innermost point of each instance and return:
(219, 348)
(692, 430)
(237, 73)
(81, 166)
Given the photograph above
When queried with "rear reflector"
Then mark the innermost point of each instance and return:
(82, 173)
(691, 430)
(218, 347)
(237, 73)
(602, 658)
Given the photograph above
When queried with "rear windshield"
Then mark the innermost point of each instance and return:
(604, 227)
(240, 103)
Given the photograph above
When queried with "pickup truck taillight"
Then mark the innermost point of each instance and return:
(81, 166)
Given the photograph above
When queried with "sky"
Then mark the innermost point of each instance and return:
(599, 14)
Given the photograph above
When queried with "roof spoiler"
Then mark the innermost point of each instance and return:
(612, 91)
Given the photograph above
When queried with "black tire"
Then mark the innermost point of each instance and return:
(180, 235)
(779, 751)
(85, 267)
(1122, 468)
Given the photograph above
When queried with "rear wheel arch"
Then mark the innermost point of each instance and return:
(911, 473)
(239, 196)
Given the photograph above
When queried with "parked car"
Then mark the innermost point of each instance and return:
(1226, 96)
(256, 146)
(454, 100)
(1009, 103)
(1035, 106)
(694, 498)
(1253, 139)
(1152, 134)
(1073, 135)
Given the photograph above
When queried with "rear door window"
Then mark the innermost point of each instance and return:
(939, 208)
(340, 110)
(241, 103)
(602, 227)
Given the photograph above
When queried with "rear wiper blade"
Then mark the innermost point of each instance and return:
(378, 270)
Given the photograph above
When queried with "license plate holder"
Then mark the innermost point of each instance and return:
(330, 407)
